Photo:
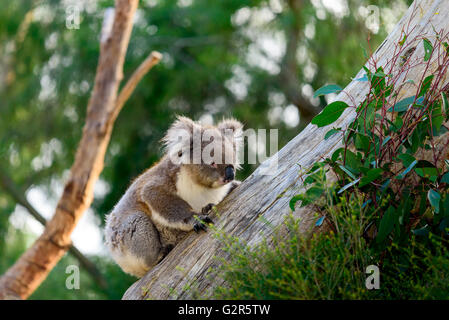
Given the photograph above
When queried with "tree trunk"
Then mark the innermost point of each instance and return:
(35, 264)
(261, 202)
(288, 76)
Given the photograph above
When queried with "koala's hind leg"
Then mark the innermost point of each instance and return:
(134, 243)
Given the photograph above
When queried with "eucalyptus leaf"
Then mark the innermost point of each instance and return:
(348, 185)
(319, 222)
(330, 88)
(428, 49)
(434, 199)
(445, 178)
(427, 82)
(363, 78)
(386, 224)
(347, 171)
(295, 199)
(407, 170)
(406, 159)
(402, 105)
(445, 107)
(330, 133)
(424, 231)
(331, 113)
(372, 175)
(425, 169)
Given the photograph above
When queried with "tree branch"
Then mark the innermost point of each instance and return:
(14, 191)
(34, 265)
(135, 78)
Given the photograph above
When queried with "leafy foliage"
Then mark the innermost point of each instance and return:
(333, 265)
(389, 162)
(388, 204)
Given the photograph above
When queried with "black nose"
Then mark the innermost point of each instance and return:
(229, 173)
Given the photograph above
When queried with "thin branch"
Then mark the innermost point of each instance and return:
(135, 78)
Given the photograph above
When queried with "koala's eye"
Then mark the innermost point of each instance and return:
(214, 165)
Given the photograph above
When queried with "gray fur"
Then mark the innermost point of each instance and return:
(153, 215)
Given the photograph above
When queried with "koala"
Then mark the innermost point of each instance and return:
(174, 197)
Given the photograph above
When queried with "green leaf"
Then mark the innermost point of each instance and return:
(427, 172)
(445, 107)
(308, 197)
(385, 185)
(398, 123)
(437, 118)
(348, 172)
(319, 222)
(367, 113)
(434, 199)
(295, 199)
(363, 78)
(426, 169)
(331, 113)
(337, 154)
(446, 46)
(424, 231)
(352, 162)
(427, 82)
(314, 193)
(402, 105)
(428, 49)
(385, 141)
(406, 159)
(348, 185)
(418, 136)
(407, 170)
(362, 142)
(401, 43)
(378, 81)
(445, 178)
(371, 175)
(386, 224)
(330, 88)
(330, 133)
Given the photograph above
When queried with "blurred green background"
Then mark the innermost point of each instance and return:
(259, 61)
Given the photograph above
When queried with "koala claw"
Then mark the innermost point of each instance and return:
(207, 208)
(201, 225)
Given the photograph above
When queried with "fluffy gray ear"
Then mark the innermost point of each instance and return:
(231, 127)
(178, 138)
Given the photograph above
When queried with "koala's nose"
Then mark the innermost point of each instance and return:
(229, 173)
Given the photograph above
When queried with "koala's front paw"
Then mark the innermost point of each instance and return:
(207, 208)
(234, 185)
(202, 224)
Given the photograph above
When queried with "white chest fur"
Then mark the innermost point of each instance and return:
(196, 195)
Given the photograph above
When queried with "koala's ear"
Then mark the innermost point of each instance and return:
(231, 126)
(178, 138)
